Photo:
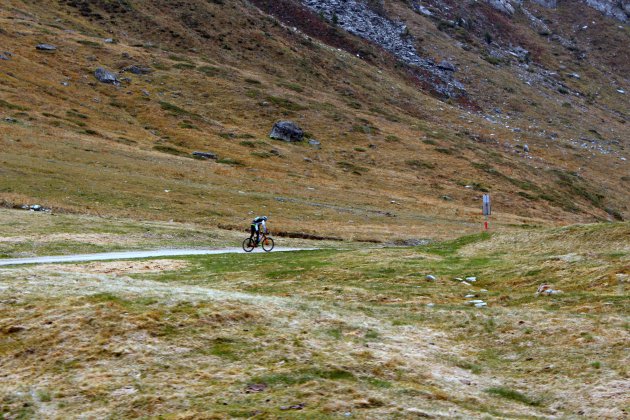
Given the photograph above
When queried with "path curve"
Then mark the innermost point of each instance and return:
(127, 255)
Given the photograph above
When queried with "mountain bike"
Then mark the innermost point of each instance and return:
(265, 241)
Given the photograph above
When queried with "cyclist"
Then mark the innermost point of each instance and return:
(256, 226)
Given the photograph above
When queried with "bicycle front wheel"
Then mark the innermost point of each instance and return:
(267, 244)
(249, 245)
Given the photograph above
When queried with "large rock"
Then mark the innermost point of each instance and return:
(287, 131)
(106, 76)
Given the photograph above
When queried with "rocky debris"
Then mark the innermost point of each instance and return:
(504, 6)
(431, 277)
(358, 18)
(287, 131)
(546, 289)
(315, 143)
(108, 40)
(35, 207)
(471, 279)
(526, 148)
(106, 76)
(205, 155)
(447, 65)
(623, 92)
(10, 120)
(617, 9)
(45, 47)
(6, 56)
(134, 69)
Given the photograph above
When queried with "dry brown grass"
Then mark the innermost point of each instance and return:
(346, 190)
(337, 331)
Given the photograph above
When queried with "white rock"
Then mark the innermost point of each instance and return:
(481, 305)
(459, 279)
(430, 305)
(474, 302)
(466, 283)
(469, 296)
(431, 277)
(472, 279)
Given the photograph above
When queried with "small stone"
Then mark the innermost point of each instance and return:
(10, 120)
(65, 83)
(470, 296)
(458, 279)
(471, 279)
(315, 143)
(431, 277)
(137, 69)
(474, 302)
(108, 40)
(45, 47)
(205, 155)
(481, 305)
(526, 148)
(4, 57)
(430, 305)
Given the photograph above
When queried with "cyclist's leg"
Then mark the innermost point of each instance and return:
(257, 234)
(252, 231)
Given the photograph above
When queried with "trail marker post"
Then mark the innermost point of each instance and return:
(486, 209)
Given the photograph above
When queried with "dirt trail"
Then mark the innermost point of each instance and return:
(127, 255)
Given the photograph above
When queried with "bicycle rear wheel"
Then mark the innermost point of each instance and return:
(267, 244)
(249, 245)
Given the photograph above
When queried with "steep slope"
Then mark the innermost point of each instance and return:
(401, 156)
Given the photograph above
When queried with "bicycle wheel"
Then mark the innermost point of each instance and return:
(267, 244)
(248, 245)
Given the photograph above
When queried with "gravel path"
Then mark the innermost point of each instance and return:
(126, 255)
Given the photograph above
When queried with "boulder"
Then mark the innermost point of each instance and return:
(46, 47)
(205, 155)
(106, 76)
(287, 131)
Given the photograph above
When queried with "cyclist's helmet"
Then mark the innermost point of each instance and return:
(264, 218)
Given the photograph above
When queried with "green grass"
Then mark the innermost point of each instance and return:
(513, 395)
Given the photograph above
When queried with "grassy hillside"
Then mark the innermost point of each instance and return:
(395, 161)
(319, 334)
